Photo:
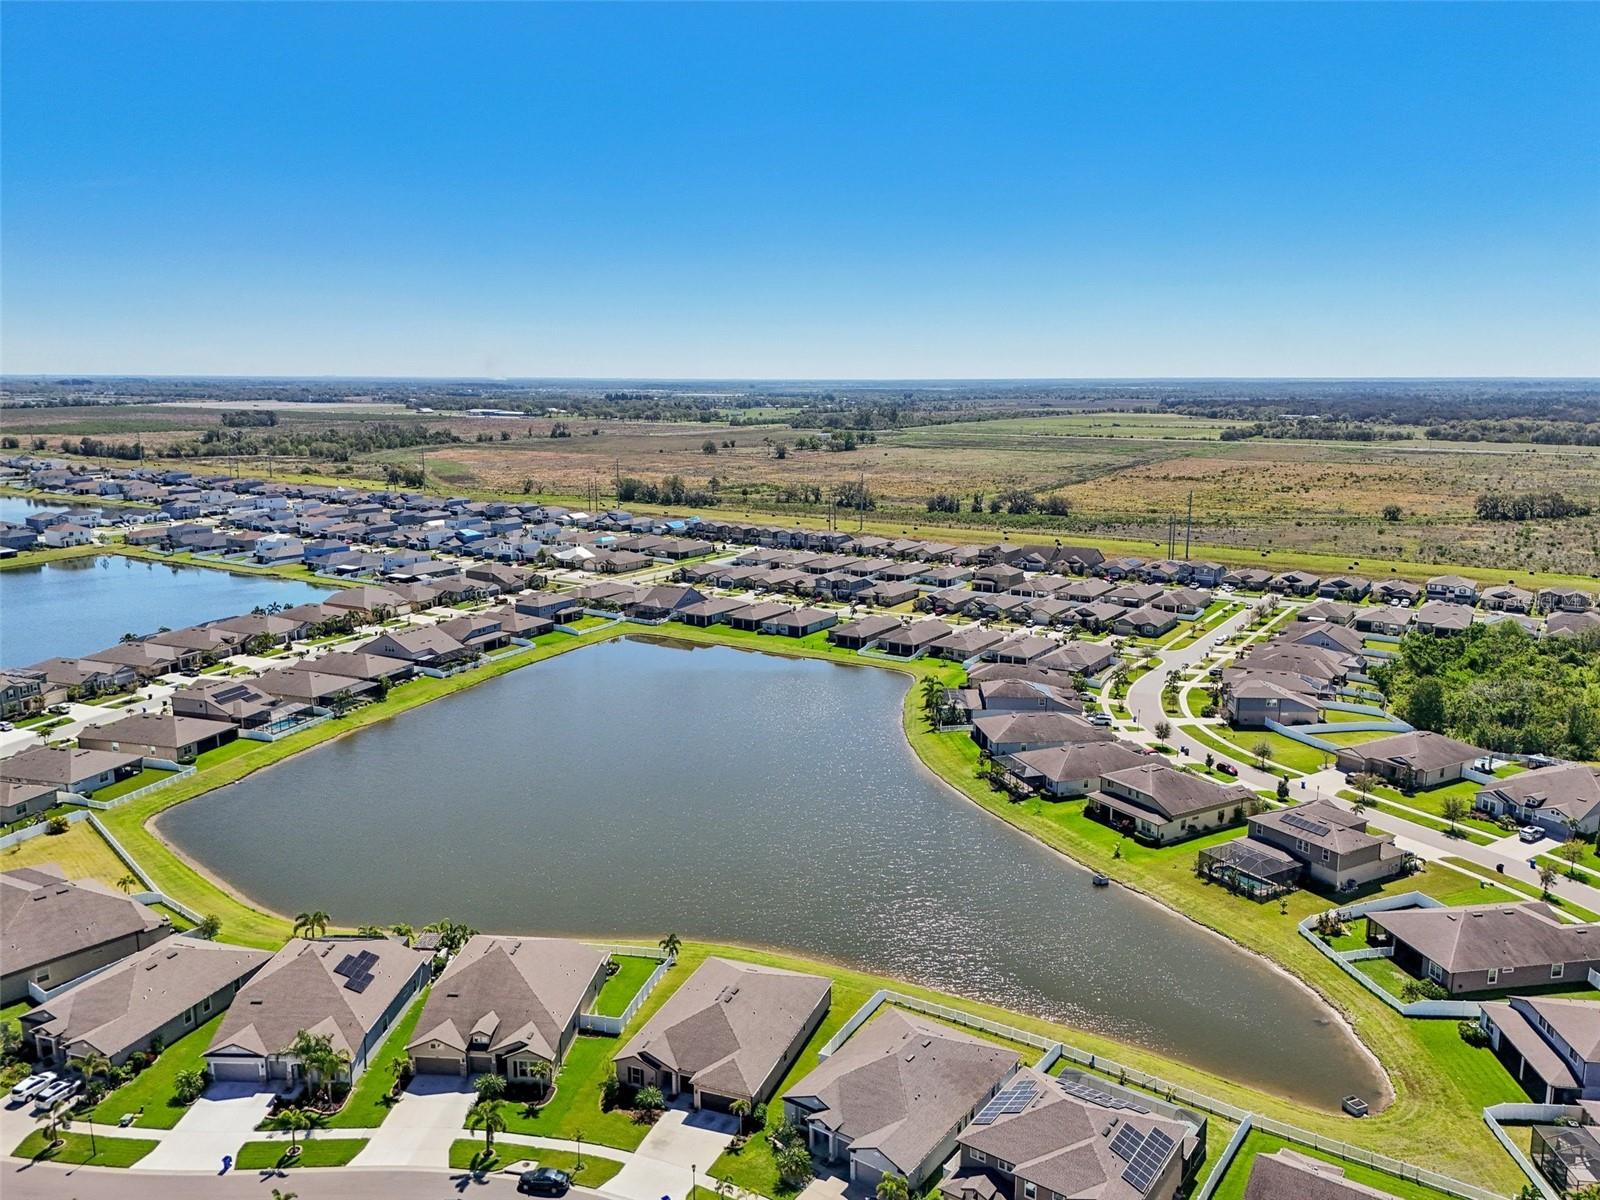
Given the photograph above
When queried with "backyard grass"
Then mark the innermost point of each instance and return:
(314, 1152)
(1338, 716)
(151, 1090)
(619, 990)
(80, 852)
(133, 783)
(1286, 752)
(369, 1101)
(80, 1148)
(1257, 1143)
(575, 1107)
(1354, 737)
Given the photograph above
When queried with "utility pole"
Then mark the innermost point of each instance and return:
(1188, 528)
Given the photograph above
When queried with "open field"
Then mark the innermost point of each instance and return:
(80, 852)
(1123, 473)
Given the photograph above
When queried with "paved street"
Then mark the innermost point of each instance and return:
(23, 1181)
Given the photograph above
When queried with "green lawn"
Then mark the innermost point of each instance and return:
(370, 1101)
(1525, 889)
(151, 1090)
(619, 990)
(133, 783)
(1338, 716)
(1257, 1143)
(1354, 737)
(314, 1152)
(1386, 975)
(100, 1151)
(1286, 752)
(466, 1155)
(575, 1107)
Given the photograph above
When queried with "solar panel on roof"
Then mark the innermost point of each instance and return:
(1148, 1161)
(367, 959)
(358, 983)
(1011, 1100)
(1299, 822)
(347, 966)
(1127, 1143)
(1096, 1096)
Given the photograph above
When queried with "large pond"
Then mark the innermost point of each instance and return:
(639, 787)
(74, 606)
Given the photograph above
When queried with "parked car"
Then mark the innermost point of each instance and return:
(31, 1086)
(1099, 718)
(6, 726)
(1227, 768)
(55, 1092)
(1530, 833)
(544, 1181)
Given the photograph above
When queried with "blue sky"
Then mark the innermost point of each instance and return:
(838, 191)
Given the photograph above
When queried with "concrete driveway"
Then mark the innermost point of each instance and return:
(217, 1124)
(419, 1129)
(680, 1146)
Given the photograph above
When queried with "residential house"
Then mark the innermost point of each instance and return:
(860, 634)
(1077, 1138)
(371, 667)
(913, 640)
(1410, 761)
(1144, 622)
(313, 685)
(1252, 702)
(1487, 947)
(730, 1032)
(19, 800)
(1332, 612)
(714, 611)
(1073, 770)
(350, 990)
(1005, 733)
(967, 641)
(54, 930)
(892, 1099)
(661, 602)
(1404, 591)
(237, 700)
(1550, 1045)
(1562, 800)
(420, 645)
(1020, 649)
(1332, 844)
(1564, 599)
(169, 736)
(368, 601)
(21, 692)
(1452, 589)
(1443, 616)
(78, 770)
(150, 660)
(1159, 804)
(753, 616)
(80, 678)
(1390, 622)
(800, 622)
(1134, 595)
(1295, 583)
(1344, 587)
(1508, 598)
(504, 1004)
(147, 1000)
(1248, 579)
(1571, 624)
(1184, 601)
(1089, 659)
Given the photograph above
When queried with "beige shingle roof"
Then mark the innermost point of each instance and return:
(44, 917)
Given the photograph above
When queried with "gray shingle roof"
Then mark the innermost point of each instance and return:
(44, 917)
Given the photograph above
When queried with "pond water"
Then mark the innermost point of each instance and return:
(14, 510)
(637, 787)
(74, 606)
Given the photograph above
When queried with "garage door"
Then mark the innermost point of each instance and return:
(247, 1070)
(437, 1066)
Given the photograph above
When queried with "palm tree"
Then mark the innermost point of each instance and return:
(95, 1066)
(312, 924)
(405, 932)
(296, 1121)
(932, 699)
(486, 1115)
(893, 1187)
(128, 882)
(540, 1073)
(670, 945)
(740, 1109)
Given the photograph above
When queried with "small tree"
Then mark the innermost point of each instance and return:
(893, 1187)
(187, 1086)
(794, 1164)
(1453, 809)
(1163, 730)
(1547, 880)
(1263, 753)
(1283, 788)
(1572, 852)
(210, 926)
(486, 1115)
